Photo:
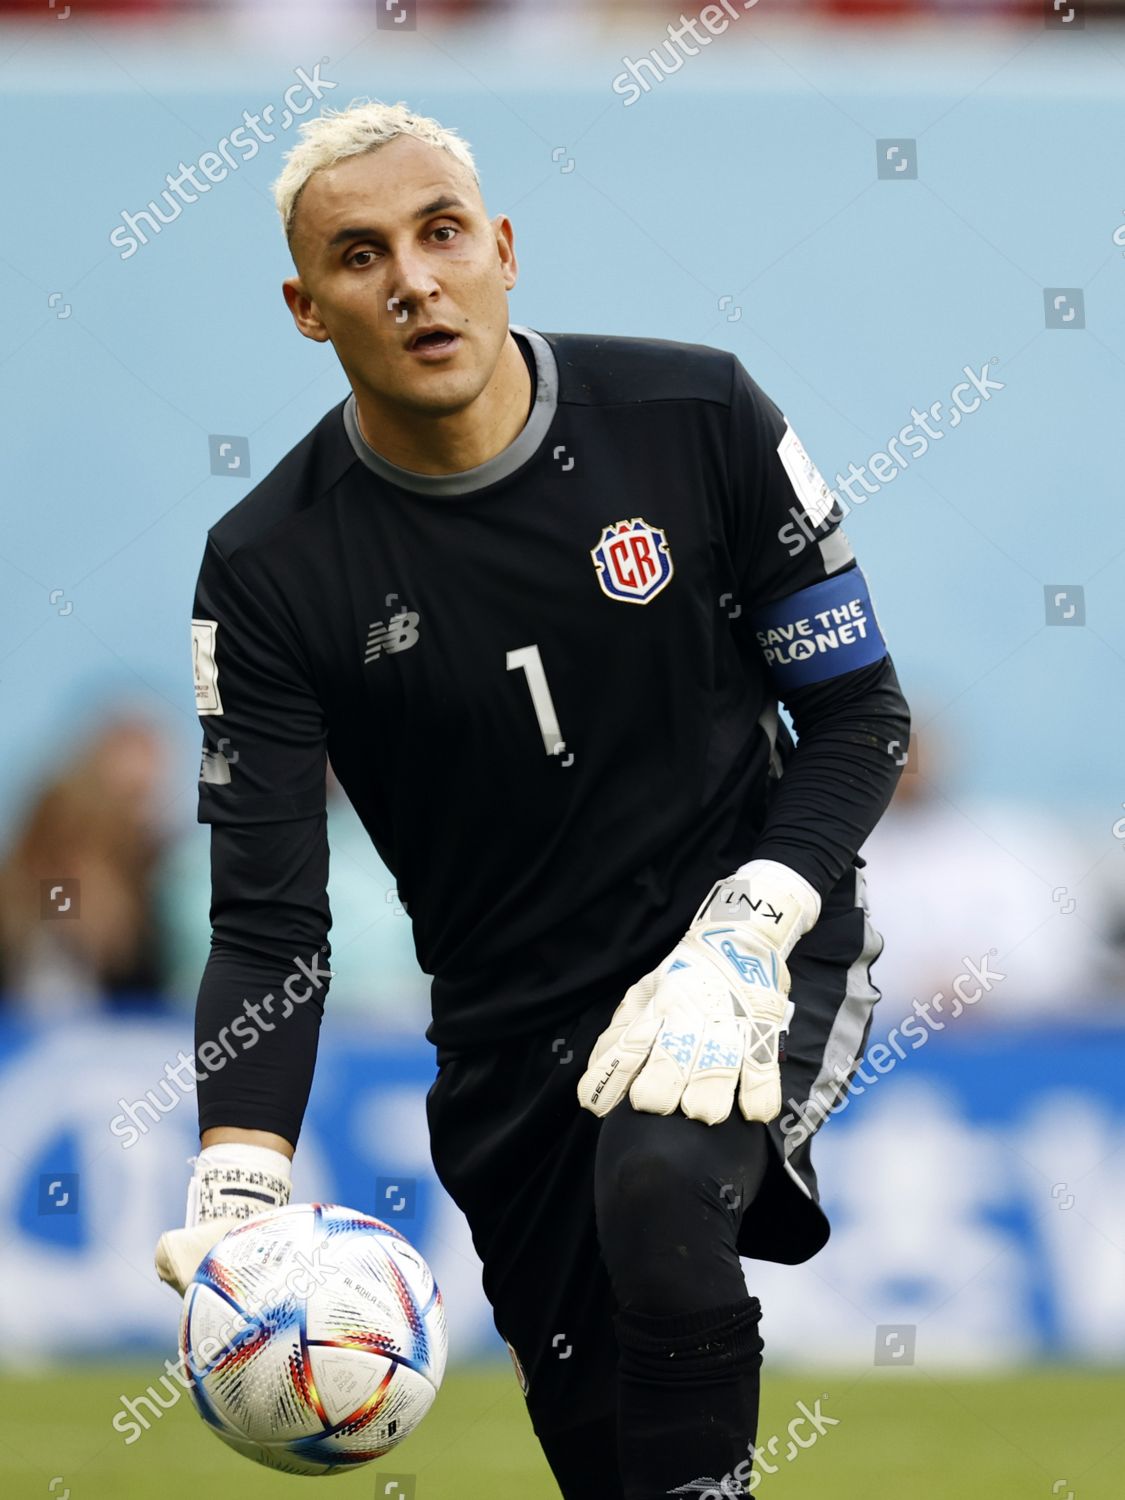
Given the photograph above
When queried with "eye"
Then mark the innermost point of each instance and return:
(450, 229)
(352, 261)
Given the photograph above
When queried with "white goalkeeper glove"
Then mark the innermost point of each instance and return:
(231, 1183)
(707, 1022)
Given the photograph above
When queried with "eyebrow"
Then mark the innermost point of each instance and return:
(365, 232)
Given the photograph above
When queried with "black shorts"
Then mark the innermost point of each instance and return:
(515, 1151)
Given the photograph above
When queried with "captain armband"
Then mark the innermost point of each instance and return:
(820, 632)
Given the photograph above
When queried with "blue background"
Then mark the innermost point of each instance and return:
(1013, 1245)
(750, 174)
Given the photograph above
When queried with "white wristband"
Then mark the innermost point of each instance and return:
(236, 1180)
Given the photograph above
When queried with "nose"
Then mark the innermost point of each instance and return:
(413, 283)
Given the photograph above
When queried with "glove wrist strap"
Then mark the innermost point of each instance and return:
(779, 904)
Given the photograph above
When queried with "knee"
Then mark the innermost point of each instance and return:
(666, 1239)
(657, 1197)
(646, 1184)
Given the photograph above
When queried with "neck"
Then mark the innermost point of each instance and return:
(449, 444)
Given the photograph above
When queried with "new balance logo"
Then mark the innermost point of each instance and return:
(398, 634)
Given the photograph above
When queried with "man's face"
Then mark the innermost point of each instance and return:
(387, 244)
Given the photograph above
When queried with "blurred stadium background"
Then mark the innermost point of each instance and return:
(863, 200)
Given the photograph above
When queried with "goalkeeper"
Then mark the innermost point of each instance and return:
(539, 596)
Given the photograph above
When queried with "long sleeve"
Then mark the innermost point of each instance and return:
(262, 790)
(852, 736)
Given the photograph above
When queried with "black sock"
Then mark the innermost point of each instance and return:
(689, 1387)
(584, 1460)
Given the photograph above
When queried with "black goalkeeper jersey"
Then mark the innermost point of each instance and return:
(549, 687)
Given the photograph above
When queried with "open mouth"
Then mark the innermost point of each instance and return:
(434, 341)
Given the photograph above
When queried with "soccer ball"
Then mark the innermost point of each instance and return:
(313, 1338)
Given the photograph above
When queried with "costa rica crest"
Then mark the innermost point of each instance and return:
(632, 561)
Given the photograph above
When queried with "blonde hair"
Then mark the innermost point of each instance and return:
(365, 125)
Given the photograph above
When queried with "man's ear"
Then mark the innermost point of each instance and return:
(506, 249)
(304, 310)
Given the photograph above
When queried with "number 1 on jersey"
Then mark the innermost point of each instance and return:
(529, 659)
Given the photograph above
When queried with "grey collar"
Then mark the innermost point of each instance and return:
(507, 461)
